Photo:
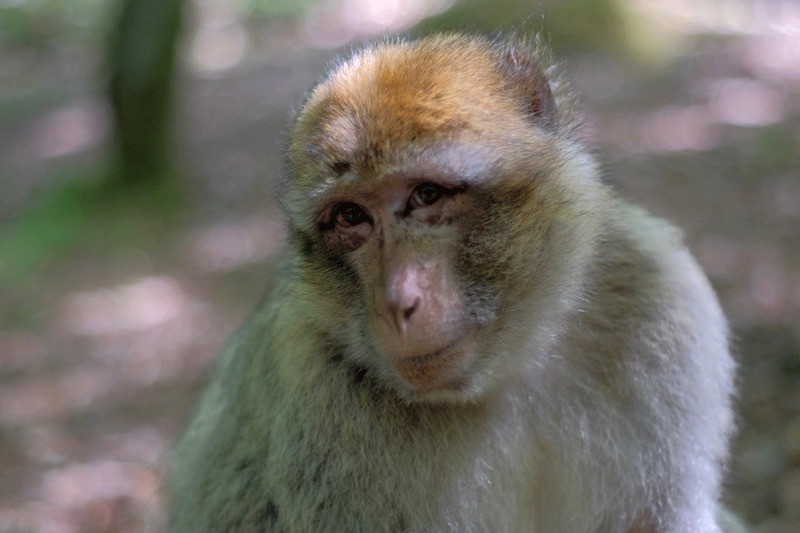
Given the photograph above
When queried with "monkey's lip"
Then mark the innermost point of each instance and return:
(437, 369)
(425, 358)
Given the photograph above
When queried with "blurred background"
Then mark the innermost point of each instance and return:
(140, 141)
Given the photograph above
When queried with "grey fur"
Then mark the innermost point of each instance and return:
(607, 402)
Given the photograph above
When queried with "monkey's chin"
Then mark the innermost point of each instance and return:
(441, 373)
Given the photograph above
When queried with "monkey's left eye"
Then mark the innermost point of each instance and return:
(348, 214)
(428, 193)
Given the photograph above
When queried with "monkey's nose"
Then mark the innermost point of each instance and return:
(405, 298)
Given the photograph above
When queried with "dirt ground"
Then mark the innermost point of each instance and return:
(106, 342)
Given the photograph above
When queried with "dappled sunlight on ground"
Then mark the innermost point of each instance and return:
(229, 246)
(218, 39)
(762, 287)
(745, 102)
(139, 306)
(117, 347)
(669, 129)
(67, 130)
(221, 39)
(333, 23)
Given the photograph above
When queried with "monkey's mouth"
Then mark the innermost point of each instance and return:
(442, 368)
(425, 358)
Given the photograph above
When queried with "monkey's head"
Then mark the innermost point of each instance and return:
(440, 210)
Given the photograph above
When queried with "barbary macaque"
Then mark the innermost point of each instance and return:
(470, 332)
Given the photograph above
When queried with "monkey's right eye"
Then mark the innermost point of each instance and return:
(348, 214)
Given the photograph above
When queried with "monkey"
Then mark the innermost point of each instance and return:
(470, 331)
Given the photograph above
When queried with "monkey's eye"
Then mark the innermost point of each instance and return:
(428, 194)
(348, 214)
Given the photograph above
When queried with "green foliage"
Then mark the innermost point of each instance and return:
(48, 22)
(80, 215)
(28, 241)
(24, 105)
(585, 24)
(774, 148)
(16, 23)
(275, 7)
(569, 24)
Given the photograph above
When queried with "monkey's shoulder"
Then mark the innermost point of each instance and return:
(650, 308)
(221, 470)
(643, 260)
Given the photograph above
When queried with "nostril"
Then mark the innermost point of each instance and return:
(408, 311)
(404, 314)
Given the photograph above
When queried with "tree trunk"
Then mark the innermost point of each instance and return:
(141, 59)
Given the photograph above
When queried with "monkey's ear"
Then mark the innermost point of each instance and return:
(527, 78)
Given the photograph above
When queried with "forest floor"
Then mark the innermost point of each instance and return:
(111, 311)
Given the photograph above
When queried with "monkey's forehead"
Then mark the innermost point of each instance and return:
(401, 92)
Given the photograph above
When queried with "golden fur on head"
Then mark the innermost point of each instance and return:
(398, 94)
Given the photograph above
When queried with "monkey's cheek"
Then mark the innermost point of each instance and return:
(445, 370)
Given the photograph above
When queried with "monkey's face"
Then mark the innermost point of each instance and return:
(402, 238)
(421, 206)
(411, 249)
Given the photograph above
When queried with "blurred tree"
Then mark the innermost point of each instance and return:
(141, 59)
